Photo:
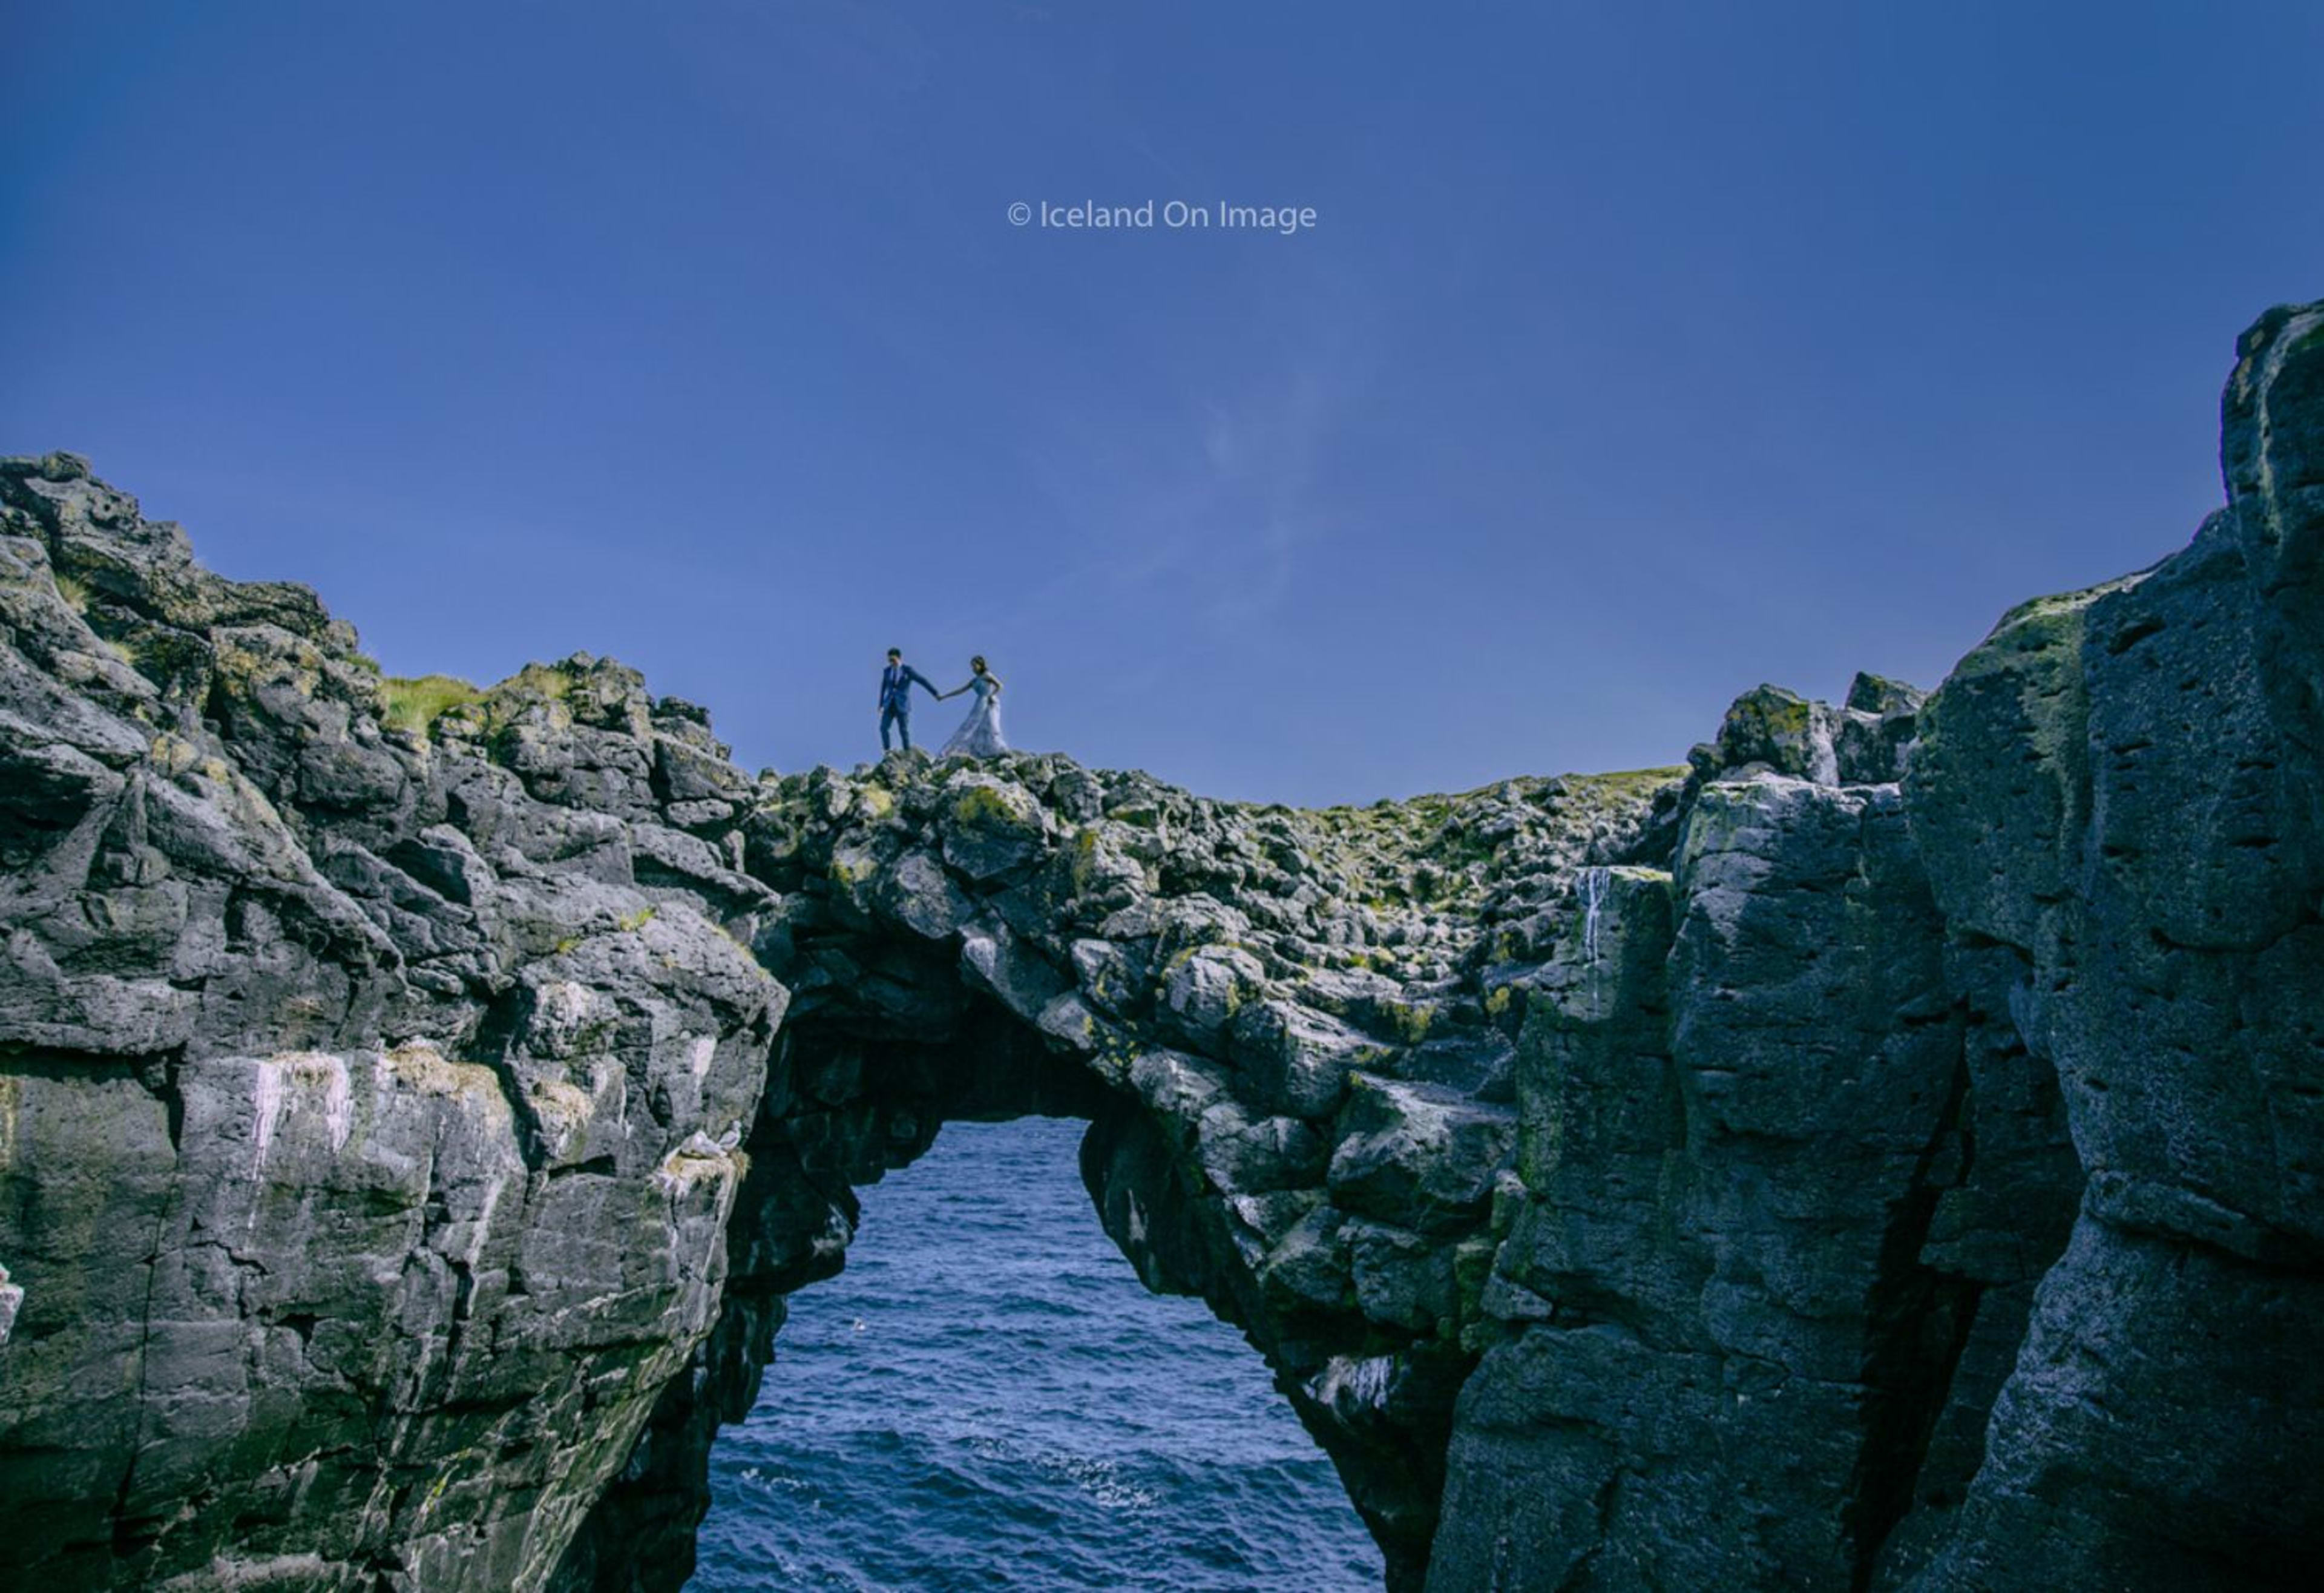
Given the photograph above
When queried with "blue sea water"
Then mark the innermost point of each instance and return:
(988, 1398)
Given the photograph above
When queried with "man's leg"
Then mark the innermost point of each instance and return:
(904, 727)
(887, 717)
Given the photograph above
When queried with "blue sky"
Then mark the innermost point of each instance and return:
(1638, 354)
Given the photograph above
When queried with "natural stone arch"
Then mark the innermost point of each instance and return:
(415, 1048)
(388, 1062)
(382, 1064)
(404, 1003)
(1298, 1078)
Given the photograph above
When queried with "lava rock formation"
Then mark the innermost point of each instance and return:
(1881, 1153)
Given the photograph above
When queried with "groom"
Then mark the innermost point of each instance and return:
(895, 697)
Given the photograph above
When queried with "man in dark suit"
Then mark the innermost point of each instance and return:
(895, 697)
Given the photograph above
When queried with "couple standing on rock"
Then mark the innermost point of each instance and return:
(979, 735)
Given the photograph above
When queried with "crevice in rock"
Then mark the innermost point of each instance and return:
(1918, 1325)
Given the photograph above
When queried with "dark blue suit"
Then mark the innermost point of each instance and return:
(896, 701)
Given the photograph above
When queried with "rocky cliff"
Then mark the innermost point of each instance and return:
(1879, 1154)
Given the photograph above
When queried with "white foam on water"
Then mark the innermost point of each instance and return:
(1101, 1481)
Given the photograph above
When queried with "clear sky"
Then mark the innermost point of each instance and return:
(1638, 354)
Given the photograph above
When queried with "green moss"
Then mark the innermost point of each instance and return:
(1631, 782)
(504, 701)
(631, 923)
(2041, 622)
(1083, 867)
(983, 805)
(414, 704)
(1772, 710)
(545, 680)
(1411, 1022)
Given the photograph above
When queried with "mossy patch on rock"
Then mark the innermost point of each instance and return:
(413, 703)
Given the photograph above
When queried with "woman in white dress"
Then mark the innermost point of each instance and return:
(979, 735)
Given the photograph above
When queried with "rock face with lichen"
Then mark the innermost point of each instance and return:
(1881, 1154)
(1920, 1175)
(369, 1097)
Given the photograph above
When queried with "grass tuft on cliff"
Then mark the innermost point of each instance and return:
(412, 704)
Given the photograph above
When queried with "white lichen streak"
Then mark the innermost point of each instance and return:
(11, 1301)
(699, 1158)
(1364, 1382)
(285, 1083)
(1590, 886)
(483, 1223)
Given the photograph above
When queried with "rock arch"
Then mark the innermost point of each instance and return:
(1281, 1026)
(1880, 1154)
(438, 1067)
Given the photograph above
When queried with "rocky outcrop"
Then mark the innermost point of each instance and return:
(1878, 1153)
(1784, 1175)
(2165, 745)
(370, 1096)
(408, 1150)
(1291, 1032)
(1919, 1176)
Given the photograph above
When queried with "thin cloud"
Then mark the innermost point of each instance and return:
(1226, 502)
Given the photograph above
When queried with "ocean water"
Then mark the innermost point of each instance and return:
(988, 1398)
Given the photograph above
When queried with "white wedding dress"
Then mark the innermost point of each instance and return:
(979, 735)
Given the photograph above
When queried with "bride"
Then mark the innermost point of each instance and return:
(979, 735)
